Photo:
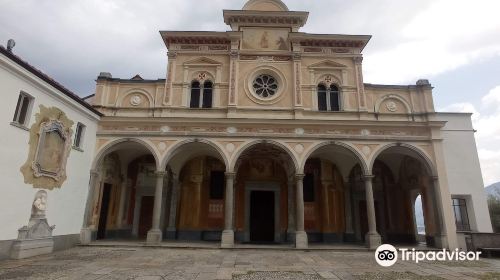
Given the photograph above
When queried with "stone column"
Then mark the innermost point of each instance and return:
(372, 238)
(291, 211)
(155, 234)
(121, 208)
(300, 234)
(86, 232)
(172, 218)
(228, 233)
(441, 237)
(349, 230)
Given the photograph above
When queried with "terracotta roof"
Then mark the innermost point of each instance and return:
(48, 80)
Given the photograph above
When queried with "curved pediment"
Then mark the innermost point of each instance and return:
(266, 5)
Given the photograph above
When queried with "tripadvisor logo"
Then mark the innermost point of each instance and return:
(387, 255)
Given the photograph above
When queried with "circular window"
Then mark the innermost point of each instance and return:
(265, 86)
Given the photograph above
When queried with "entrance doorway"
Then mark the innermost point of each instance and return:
(103, 215)
(262, 216)
(146, 214)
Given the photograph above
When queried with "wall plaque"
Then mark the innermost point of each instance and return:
(49, 147)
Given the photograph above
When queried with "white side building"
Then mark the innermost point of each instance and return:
(24, 90)
(464, 176)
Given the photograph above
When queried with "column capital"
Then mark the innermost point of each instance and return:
(230, 175)
(175, 177)
(299, 177)
(172, 55)
(160, 173)
(368, 177)
(433, 178)
(358, 60)
(94, 172)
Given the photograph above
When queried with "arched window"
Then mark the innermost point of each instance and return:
(328, 98)
(207, 95)
(201, 95)
(334, 98)
(195, 94)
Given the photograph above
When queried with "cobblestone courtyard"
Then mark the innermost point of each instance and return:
(148, 263)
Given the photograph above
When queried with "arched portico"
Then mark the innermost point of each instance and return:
(197, 169)
(265, 175)
(120, 169)
(331, 196)
(401, 173)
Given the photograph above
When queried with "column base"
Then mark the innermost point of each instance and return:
(227, 240)
(373, 240)
(154, 236)
(301, 240)
(171, 234)
(85, 236)
(441, 241)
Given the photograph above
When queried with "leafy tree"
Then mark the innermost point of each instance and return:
(494, 206)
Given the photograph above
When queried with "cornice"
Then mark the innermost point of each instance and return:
(330, 40)
(295, 19)
(196, 37)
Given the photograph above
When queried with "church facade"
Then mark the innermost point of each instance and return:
(268, 134)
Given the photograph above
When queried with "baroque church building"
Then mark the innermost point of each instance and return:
(267, 134)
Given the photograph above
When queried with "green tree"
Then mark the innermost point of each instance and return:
(494, 206)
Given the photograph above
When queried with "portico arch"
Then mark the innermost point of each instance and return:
(409, 150)
(117, 144)
(328, 200)
(412, 173)
(248, 146)
(187, 149)
(196, 202)
(114, 183)
(265, 181)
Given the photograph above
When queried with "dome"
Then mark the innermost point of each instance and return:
(265, 5)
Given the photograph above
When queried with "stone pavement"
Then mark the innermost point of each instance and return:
(240, 264)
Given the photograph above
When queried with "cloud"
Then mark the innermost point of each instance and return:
(447, 35)
(75, 40)
(486, 121)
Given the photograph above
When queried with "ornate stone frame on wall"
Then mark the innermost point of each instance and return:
(50, 145)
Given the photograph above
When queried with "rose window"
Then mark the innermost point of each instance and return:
(265, 86)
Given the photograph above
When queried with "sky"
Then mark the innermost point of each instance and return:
(453, 43)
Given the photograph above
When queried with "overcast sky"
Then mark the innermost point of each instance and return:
(454, 43)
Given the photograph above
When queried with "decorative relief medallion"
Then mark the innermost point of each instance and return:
(202, 76)
(366, 150)
(365, 132)
(391, 106)
(299, 131)
(136, 100)
(165, 129)
(299, 148)
(230, 147)
(162, 146)
(49, 147)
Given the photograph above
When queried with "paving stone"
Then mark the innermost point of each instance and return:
(98, 263)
